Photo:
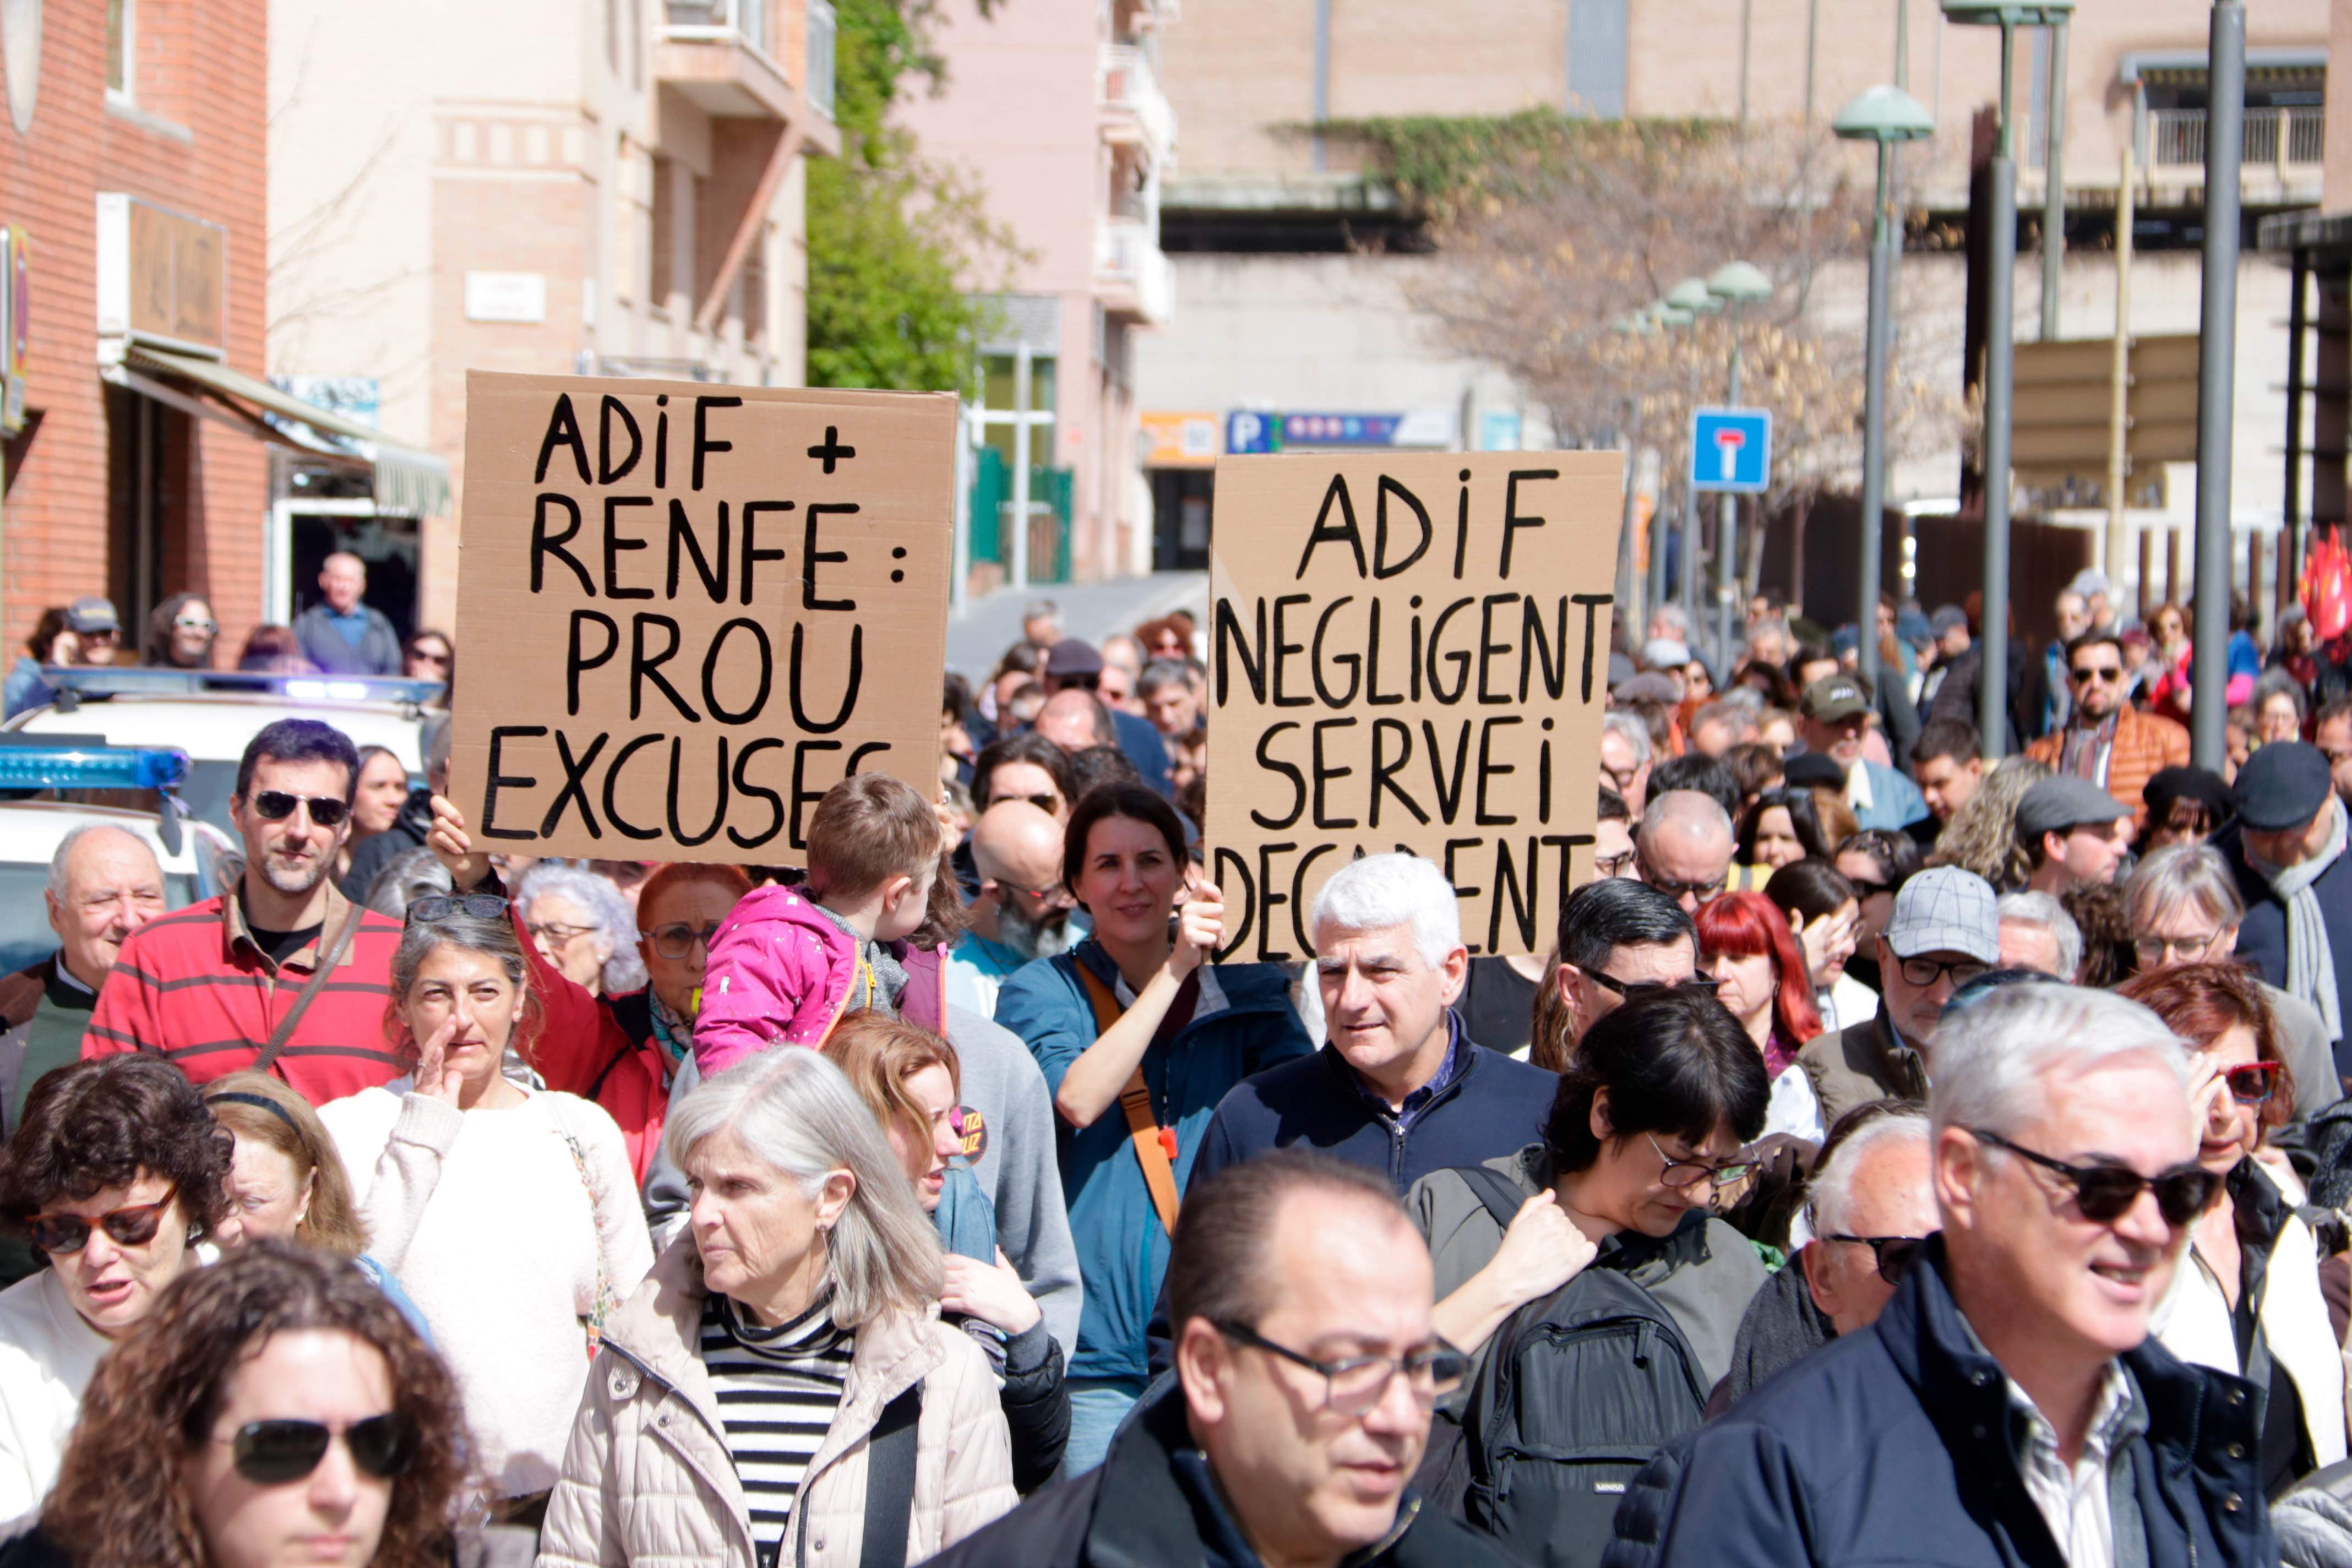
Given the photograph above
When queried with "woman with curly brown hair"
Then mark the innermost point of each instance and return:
(272, 1409)
(117, 1171)
(2246, 1299)
(1982, 834)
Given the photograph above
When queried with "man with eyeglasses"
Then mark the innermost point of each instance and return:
(2074, 834)
(1307, 1368)
(1625, 756)
(1870, 1207)
(1021, 914)
(1684, 848)
(1945, 932)
(2286, 849)
(281, 972)
(2005, 1406)
(2104, 738)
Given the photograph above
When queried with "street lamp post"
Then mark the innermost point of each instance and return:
(1691, 299)
(1886, 116)
(1992, 695)
(1737, 285)
(2215, 381)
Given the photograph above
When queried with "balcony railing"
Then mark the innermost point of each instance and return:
(747, 19)
(820, 56)
(1135, 271)
(2283, 137)
(1134, 109)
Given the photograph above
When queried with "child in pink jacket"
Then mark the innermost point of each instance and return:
(789, 962)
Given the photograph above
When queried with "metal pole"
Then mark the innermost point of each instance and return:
(2118, 540)
(1690, 518)
(1726, 524)
(1322, 77)
(1658, 532)
(1623, 583)
(1812, 62)
(1992, 698)
(1874, 428)
(2217, 380)
(1902, 44)
(1020, 466)
(2053, 170)
(2298, 324)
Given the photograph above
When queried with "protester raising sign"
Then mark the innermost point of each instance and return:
(1408, 652)
(689, 610)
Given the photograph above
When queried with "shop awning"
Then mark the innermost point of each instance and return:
(407, 482)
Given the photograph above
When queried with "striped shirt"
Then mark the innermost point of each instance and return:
(778, 1391)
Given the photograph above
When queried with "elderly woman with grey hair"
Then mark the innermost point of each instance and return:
(2184, 908)
(785, 1357)
(585, 928)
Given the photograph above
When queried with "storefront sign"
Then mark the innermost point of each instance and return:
(664, 595)
(160, 275)
(1179, 440)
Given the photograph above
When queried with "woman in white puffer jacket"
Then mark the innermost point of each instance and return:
(784, 1354)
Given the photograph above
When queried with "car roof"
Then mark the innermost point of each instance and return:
(217, 726)
(30, 831)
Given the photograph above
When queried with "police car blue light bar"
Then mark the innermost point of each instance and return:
(107, 681)
(24, 767)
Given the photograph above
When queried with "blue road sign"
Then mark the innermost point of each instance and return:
(1731, 449)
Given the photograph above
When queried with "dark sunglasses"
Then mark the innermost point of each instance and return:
(1894, 1254)
(1048, 803)
(2104, 1192)
(276, 805)
(2252, 1083)
(2100, 672)
(62, 1235)
(1639, 990)
(436, 906)
(276, 1453)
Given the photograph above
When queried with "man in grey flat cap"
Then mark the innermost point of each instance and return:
(1945, 932)
(2287, 850)
(2073, 833)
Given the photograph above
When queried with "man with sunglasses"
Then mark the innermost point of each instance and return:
(281, 970)
(2105, 739)
(1619, 939)
(1945, 932)
(1307, 1368)
(2005, 1406)
(1022, 912)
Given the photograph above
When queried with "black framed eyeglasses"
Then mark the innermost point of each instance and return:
(1610, 866)
(1642, 990)
(1924, 972)
(1705, 892)
(1893, 1253)
(675, 938)
(2104, 1191)
(1680, 1172)
(279, 1453)
(1354, 1384)
(435, 907)
(2156, 951)
(276, 805)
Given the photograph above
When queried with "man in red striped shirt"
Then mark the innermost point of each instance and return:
(212, 986)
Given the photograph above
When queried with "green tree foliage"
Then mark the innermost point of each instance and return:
(897, 245)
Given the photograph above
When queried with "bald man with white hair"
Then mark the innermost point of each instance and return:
(104, 884)
(341, 634)
(1684, 848)
(1023, 912)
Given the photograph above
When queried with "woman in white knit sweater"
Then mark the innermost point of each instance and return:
(510, 1215)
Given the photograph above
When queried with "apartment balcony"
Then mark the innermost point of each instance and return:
(1132, 109)
(2281, 152)
(716, 55)
(1132, 275)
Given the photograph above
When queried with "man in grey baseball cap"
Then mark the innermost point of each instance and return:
(1837, 714)
(1945, 932)
(2073, 833)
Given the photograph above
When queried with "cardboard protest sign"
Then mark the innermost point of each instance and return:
(1408, 651)
(689, 609)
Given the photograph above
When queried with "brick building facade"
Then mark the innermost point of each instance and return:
(163, 100)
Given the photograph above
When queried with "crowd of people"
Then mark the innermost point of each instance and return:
(1896, 1155)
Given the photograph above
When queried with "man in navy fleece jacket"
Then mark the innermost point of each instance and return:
(1396, 1087)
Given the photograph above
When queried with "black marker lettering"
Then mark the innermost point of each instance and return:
(1490, 769)
(848, 689)
(575, 785)
(574, 663)
(1385, 773)
(1445, 863)
(681, 531)
(717, 813)
(702, 442)
(1382, 568)
(1372, 664)
(643, 668)
(661, 443)
(1251, 655)
(563, 430)
(1324, 775)
(545, 544)
(1590, 602)
(1512, 520)
(622, 824)
(1460, 524)
(1267, 899)
(1352, 661)
(1488, 648)
(1345, 532)
(865, 751)
(752, 554)
(811, 557)
(1283, 649)
(1299, 902)
(1534, 650)
(1520, 890)
(616, 542)
(710, 672)
(1461, 656)
(1275, 764)
(1241, 896)
(802, 795)
(607, 472)
(745, 788)
(499, 780)
(1449, 797)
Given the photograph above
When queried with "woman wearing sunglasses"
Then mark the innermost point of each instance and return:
(2245, 1298)
(117, 1171)
(1644, 1131)
(911, 1080)
(273, 1409)
(509, 1214)
(181, 632)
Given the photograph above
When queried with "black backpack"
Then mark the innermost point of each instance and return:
(1577, 1393)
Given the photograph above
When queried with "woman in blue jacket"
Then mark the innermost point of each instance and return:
(1139, 1038)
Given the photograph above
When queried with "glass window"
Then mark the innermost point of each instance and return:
(1041, 384)
(118, 46)
(996, 388)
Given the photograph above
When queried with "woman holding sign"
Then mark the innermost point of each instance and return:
(1139, 1038)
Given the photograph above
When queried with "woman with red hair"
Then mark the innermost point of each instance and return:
(1760, 974)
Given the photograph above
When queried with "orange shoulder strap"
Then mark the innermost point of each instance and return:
(1143, 1128)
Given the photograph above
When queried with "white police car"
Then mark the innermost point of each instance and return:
(211, 714)
(47, 791)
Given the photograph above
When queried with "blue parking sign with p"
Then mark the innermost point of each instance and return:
(1731, 449)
